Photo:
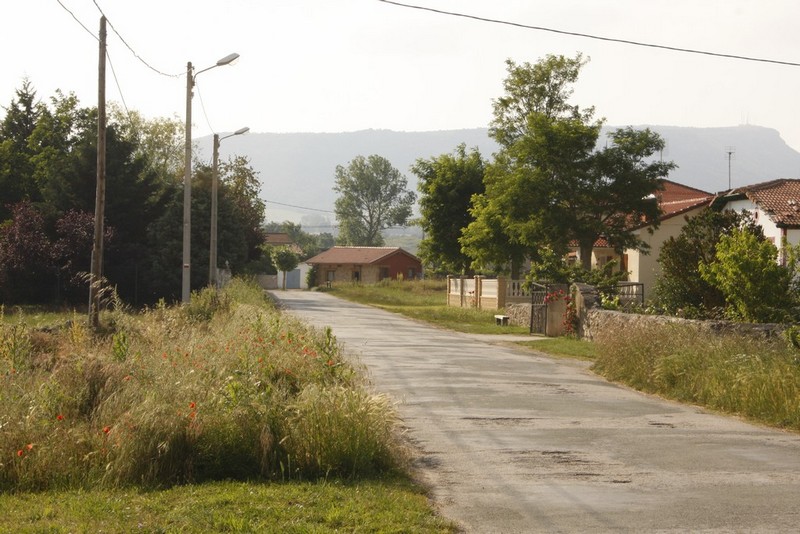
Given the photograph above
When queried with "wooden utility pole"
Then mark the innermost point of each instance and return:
(100, 196)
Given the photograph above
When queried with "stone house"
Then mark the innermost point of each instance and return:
(365, 264)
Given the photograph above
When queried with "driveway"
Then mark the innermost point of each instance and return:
(514, 441)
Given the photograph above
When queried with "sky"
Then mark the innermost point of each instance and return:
(347, 65)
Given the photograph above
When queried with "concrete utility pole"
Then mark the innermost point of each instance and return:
(100, 195)
(186, 287)
(212, 255)
(191, 76)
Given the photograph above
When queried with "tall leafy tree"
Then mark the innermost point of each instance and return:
(238, 222)
(549, 185)
(373, 195)
(159, 141)
(16, 169)
(447, 184)
(240, 185)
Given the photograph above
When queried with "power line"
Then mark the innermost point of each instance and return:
(90, 32)
(596, 37)
(137, 56)
(298, 207)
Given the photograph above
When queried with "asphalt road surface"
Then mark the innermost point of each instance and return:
(513, 441)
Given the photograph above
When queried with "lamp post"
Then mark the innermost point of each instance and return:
(212, 256)
(186, 289)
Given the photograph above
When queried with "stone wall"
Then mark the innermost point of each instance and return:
(518, 314)
(595, 321)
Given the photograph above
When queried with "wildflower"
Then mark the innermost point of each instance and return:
(127, 377)
(59, 417)
(106, 429)
(192, 405)
(20, 453)
(29, 446)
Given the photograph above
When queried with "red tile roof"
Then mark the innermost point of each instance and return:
(677, 198)
(779, 198)
(278, 238)
(356, 255)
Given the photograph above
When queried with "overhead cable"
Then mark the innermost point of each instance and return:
(596, 37)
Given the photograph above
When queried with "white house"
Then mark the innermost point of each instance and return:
(677, 202)
(775, 206)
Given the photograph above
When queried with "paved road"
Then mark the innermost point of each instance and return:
(513, 441)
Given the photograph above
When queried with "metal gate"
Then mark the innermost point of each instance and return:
(538, 308)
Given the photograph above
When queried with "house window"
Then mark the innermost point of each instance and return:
(384, 274)
(412, 273)
(356, 276)
(330, 276)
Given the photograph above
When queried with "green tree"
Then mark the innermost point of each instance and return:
(240, 185)
(373, 195)
(447, 184)
(746, 271)
(285, 260)
(16, 169)
(549, 185)
(159, 142)
(679, 285)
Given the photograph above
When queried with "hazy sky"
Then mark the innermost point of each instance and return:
(344, 65)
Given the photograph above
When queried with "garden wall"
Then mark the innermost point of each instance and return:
(595, 321)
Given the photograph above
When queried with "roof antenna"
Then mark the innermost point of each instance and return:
(730, 152)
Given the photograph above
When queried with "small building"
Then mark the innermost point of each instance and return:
(365, 264)
(774, 205)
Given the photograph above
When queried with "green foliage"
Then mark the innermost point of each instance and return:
(447, 184)
(680, 288)
(745, 270)
(48, 159)
(311, 276)
(745, 375)
(549, 185)
(372, 197)
(285, 259)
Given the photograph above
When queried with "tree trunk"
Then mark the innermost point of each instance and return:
(585, 250)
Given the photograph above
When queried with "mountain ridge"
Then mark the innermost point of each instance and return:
(297, 169)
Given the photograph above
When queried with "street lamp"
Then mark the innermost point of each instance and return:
(186, 290)
(212, 256)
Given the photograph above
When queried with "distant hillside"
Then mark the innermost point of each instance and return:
(298, 168)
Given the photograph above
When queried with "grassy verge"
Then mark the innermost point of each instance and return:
(391, 506)
(567, 347)
(752, 377)
(425, 301)
(168, 403)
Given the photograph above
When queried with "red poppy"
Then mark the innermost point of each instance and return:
(20, 452)
(60, 417)
(192, 405)
(29, 446)
(106, 429)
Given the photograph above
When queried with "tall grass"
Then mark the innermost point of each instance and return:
(223, 388)
(753, 377)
